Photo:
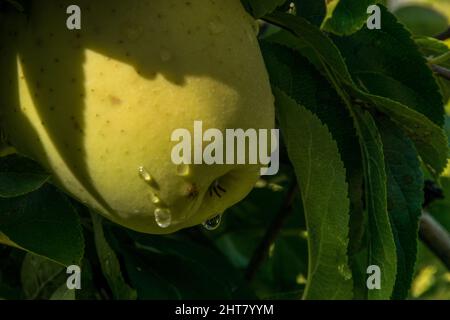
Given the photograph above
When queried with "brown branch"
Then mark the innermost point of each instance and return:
(435, 237)
(441, 71)
(262, 252)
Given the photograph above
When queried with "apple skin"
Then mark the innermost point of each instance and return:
(95, 105)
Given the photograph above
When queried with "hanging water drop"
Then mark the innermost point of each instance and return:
(163, 217)
(156, 200)
(213, 223)
(183, 170)
(145, 175)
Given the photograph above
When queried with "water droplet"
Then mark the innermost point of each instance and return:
(145, 174)
(275, 187)
(260, 184)
(216, 26)
(183, 170)
(304, 234)
(213, 223)
(156, 200)
(163, 217)
(301, 279)
(165, 55)
(345, 271)
(271, 249)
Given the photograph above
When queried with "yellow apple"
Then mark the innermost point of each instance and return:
(97, 106)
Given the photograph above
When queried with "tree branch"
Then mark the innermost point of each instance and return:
(435, 237)
(441, 71)
(262, 252)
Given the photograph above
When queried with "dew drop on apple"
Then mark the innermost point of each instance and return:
(163, 217)
(156, 200)
(183, 170)
(145, 175)
(213, 223)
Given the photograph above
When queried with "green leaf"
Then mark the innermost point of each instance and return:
(382, 252)
(45, 223)
(422, 20)
(40, 277)
(405, 198)
(437, 53)
(313, 11)
(311, 90)
(359, 52)
(385, 86)
(380, 61)
(321, 177)
(431, 47)
(346, 16)
(291, 41)
(63, 293)
(110, 264)
(19, 175)
(429, 139)
(259, 8)
(312, 37)
(392, 53)
(90, 290)
(165, 268)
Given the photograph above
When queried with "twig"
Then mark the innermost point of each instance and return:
(271, 234)
(435, 237)
(440, 59)
(441, 71)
